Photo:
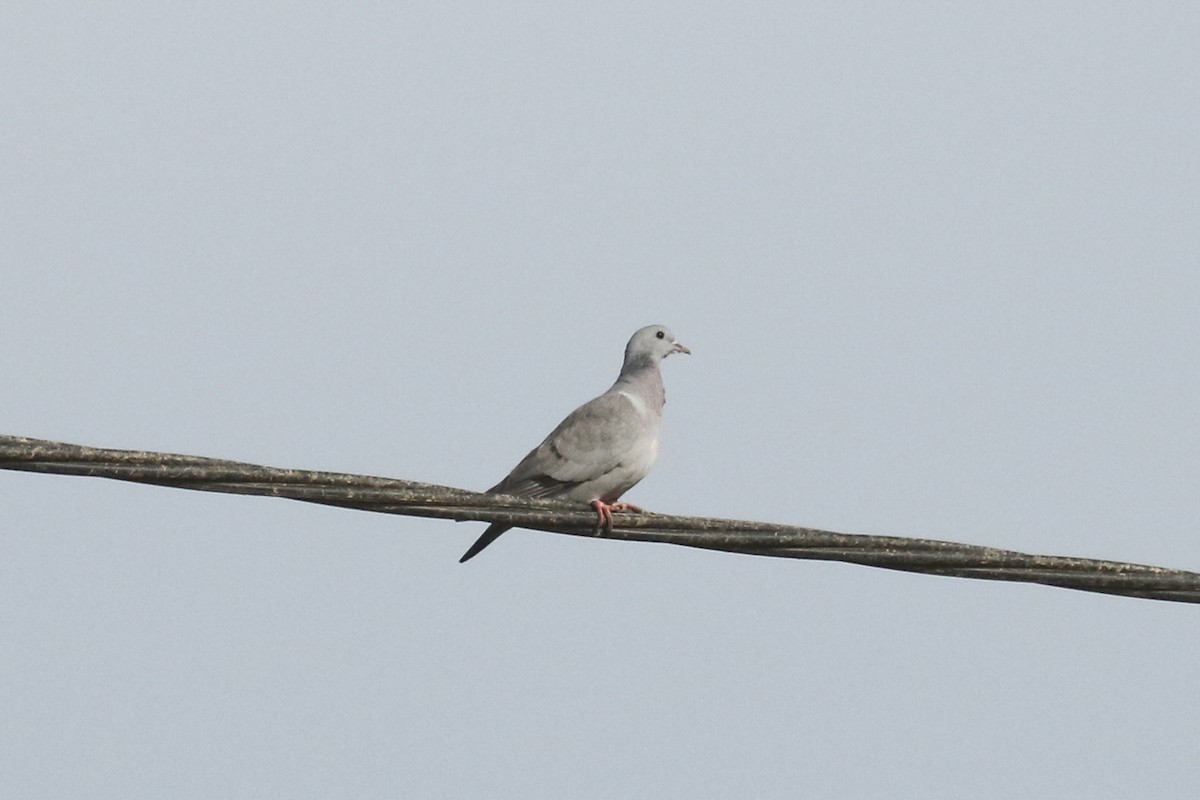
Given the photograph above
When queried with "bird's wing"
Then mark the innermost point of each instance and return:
(591, 442)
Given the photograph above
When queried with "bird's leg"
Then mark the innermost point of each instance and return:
(604, 512)
(603, 515)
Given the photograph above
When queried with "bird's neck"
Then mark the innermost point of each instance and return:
(643, 379)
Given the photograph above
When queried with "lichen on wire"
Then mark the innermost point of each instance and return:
(411, 498)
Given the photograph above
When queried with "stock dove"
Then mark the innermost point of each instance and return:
(603, 447)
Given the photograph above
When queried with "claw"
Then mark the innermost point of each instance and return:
(604, 512)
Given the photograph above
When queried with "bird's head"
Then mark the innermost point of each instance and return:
(652, 343)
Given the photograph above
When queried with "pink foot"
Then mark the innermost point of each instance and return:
(604, 512)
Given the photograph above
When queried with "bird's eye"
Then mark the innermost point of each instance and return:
(660, 334)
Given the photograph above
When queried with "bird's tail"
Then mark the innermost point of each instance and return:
(490, 535)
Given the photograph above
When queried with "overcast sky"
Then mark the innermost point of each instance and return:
(939, 269)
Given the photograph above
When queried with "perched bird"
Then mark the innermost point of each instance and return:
(603, 447)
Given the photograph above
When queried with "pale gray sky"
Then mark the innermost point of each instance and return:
(939, 271)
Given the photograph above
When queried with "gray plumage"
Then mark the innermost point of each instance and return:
(604, 447)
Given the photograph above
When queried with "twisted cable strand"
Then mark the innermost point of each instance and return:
(412, 498)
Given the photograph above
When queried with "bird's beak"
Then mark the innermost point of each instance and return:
(680, 347)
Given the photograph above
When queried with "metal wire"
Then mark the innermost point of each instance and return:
(391, 496)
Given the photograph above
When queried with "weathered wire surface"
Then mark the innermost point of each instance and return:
(392, 496)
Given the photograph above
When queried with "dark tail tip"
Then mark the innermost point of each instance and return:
(490, 535)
